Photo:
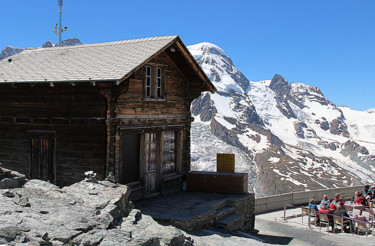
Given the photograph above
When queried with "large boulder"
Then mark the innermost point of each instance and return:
(11, 179)
(85, 213)
(41, 208)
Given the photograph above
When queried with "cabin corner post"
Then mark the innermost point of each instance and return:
(117, 151)
(187, 147)
(110, 133)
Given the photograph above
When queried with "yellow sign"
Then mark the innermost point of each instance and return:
(225, 163)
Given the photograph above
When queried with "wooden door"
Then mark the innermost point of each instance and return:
(42, 157)
(151, 177)
(130, 153)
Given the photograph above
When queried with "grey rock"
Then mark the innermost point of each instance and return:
(324, 125)
(22, 201)
(9, 194)
(9, 51)
(11, 179)
(299, 129)
(69, 42)
(47, 44)
(338, 127)
(279, 84)
(9, 234)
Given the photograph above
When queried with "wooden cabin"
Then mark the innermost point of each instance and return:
(120, 108)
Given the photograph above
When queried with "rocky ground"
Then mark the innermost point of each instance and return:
(85, 213)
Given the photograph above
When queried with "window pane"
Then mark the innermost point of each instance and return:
(150, 151)
(148, 82)
(159, 83)
(169, 152)
(159, 72)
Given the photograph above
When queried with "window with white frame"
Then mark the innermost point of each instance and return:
(154, 80)
(148, 82)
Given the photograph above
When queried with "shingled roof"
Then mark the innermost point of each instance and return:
(110, 61)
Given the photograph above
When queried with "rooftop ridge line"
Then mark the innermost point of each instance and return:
(129, 41)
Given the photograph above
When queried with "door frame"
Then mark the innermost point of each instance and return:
(124, 131)
(49, 134)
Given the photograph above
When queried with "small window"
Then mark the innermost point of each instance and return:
(158, 82)
(151, 151)
(154, 82)
(148, 81)
(169, 152)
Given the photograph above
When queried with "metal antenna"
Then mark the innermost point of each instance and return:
(61, 30)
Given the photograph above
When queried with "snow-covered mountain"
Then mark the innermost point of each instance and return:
(287, 136)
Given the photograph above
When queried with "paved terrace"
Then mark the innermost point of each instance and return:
(273, 229)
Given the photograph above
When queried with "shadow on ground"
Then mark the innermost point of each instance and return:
(278, 240)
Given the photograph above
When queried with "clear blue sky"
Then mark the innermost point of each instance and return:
(329, 44)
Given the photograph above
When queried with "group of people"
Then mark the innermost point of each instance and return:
(366, 196)
(336, 206)
(327, 206)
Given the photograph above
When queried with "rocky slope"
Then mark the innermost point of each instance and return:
(85, 213)
(287, 136)
(9, 51)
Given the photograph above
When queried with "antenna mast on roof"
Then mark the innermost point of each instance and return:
(59, 25)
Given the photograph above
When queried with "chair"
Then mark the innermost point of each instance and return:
(305, 211)
(371, 212)
(314, 215)
(366, 214)
(362, 226)
(323, 220)
(371, 217)
(339, 221)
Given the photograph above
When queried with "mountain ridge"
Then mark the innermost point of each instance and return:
(293, 137)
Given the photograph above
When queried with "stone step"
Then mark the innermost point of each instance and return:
(232, 222)
(219, 204)
(224, 212)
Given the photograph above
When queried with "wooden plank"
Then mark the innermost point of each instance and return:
(217, 182)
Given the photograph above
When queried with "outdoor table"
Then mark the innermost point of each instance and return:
(356, 206)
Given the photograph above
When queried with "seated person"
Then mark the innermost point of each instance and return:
(325, 202)
(372, 189)
(341, 212)
(312, 205)
(337, 200)
(361, 200)
(325, 209)
(366, 190)
(368, 196)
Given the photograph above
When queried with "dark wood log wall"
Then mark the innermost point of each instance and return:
(76, 115)
(133, 110)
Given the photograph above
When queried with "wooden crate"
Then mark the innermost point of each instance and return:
(217, 182)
